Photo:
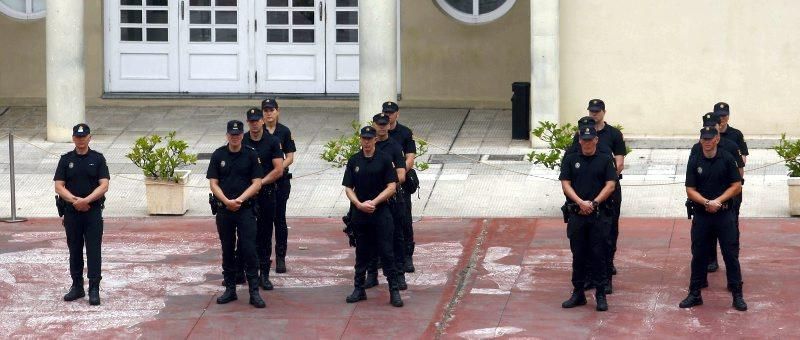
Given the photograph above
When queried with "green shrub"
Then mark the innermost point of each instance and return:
(160, 163)
(790, 152)
(339, 150)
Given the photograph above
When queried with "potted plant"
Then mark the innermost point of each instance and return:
(165, 185)
(789, 151)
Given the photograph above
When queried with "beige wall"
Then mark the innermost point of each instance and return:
(445, 62)
(660, 65)
(22, 60)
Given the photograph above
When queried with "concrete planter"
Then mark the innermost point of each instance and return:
(168, 198)
(794, 195)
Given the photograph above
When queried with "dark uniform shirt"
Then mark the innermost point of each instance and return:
(81, 173)
(368, 176)
(712, 176)
(268, 148)
(234, 170)
(403, 136)
(284, 136)
(394, 151)
(610, 138)
(737, 137)
(726, 146)
(588, 174)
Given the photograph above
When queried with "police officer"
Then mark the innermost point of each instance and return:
(272, 113)
(727, 132)
(81, 182)
(370, 181)
(271, 158)
(396, 203)
(235, 176)
(713, 120)
(588, 180)
(403, 136)
(712, 180)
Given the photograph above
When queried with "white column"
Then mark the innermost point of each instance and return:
(65, 68)
(377, 33)
(544, 63)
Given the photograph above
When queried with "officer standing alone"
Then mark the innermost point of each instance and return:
(370, 180)
(81, 182)
(271, 158)
(588, 179)
(712, 180)
(235, 175)
(283, 186)
(405, 137)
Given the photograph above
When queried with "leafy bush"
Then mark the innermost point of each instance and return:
(160, 163)
(558, 139)
(339, 150)
(790, 152)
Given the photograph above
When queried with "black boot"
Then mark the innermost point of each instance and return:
(372, 280)
(264, 278)
(693, 299)
(94, 292)
(357, 295)
(600, 298)
(240, 279)
(395, 299)
(255, 298)
(738, 298)
(712, 267)
(76, 291)
(609, 288)
(577, 299)
(401, 281)
(229, 294)
(280, 264)
(408, 260)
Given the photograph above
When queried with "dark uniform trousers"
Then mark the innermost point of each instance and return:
(284, 188)
(616, 207)
(736, 202)
(397, 208)
(375, 236)
(704, 227)
(241, 224)
(588, 240)
(265, 215)
(84, 228)
(408, 229)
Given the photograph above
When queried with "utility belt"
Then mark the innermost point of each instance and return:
(571, 209)
(398, 199)
(64, 207)
(218, 206)
(694, 208)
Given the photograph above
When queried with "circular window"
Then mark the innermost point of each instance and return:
(23, 9)
(475, 11)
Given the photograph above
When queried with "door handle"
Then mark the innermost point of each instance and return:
(320, 11)
(182, 7)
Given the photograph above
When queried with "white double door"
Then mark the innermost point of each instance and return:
(232, 46)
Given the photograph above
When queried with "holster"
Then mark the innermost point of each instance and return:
(349, 230)
(689, 209)
(60, 206)
(214, 203)
(569, 208)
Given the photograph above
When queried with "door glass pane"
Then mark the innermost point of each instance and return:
(302, 36)
(347, 18)
(226, 2)
(157, 17)
(346, 35)
(278, 3)
(199, 2)
(38, 5)
(277, 35)
(226, 17)
(130, 17)
(461, 5)
(486, 6)
(303, 18)
(200, 17)
(302, 3)
(130, 2)
(156, 3)
(346, 3)
(157, 34)
(277, 18)
(16, 5)
(130, 34)
(200, 34)
(226, 35)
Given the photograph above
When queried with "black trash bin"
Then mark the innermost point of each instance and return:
(520, 110)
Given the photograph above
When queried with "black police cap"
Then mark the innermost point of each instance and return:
(235, 127)
(596, 105)
(254, 113)
(81, 130)
(708, 132)
(587, 133)
(368, 132)
(380, 119)
(390, 107)
(269, 103)
(722, 109)
(710, 119)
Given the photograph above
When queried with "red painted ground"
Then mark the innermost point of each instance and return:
(162, 275)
